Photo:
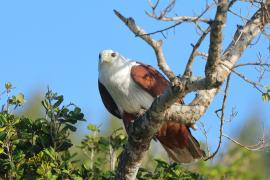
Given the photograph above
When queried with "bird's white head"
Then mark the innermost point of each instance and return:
(110, 60)
(110, 57)
(107, 56)
(110, 64)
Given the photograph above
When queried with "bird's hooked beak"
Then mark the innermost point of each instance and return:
(104, 57)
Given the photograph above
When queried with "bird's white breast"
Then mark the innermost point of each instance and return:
(127, 94)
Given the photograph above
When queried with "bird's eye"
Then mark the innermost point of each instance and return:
(113, 54)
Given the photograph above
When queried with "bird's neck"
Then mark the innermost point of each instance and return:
(109, 71)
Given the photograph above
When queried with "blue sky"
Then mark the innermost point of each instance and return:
(56, 43)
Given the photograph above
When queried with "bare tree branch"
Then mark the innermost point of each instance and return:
(262, 144)
(156, 45)
(164, 29)
(221, 119)
(255, 84)
(204, 132)
(216, 37)
(231, 3)
(252, 64)
(181, 19)
(144, 128)
(178, 19)
(162, 16)
(165, 11)
(188, 70)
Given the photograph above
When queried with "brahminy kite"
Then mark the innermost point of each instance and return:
(126, 87)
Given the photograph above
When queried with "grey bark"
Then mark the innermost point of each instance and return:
(163, 108)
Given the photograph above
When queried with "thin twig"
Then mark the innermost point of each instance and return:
(168, 8)
(251, 64)
(244, 19)
(153, 6)
(178, 20)
(233, 114)
(188, 70)
(204, 131)
(232, 3)
(181, 18)
(257, 147)
(195, 19)
(255, 84)
(221, 118)
(156, 45)
(162, 30)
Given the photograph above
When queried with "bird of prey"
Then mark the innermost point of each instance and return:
(126, 87)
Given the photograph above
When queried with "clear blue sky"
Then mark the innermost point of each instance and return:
(56, 43)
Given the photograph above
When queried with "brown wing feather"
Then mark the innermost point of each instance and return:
(149, 79)
(179, 143)
(108, 100)
(175, 137)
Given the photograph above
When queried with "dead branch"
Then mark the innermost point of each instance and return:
(181, 19)
(164, 29)
(204, 132)
(188, 70)
(165, 11)
(251, 64)
(144, 128)
(162, 16)
(232, 3)
(156, 45)
(221, 119)
(233, 114)
(253, 83)
(178, 19)
(262, 144)
(216, 37)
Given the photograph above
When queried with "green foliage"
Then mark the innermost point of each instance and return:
(164, 170)
(236, 165)
(31, 147)
(41, 148)
(266, 95)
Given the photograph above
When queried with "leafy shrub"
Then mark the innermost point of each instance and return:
(41, 148)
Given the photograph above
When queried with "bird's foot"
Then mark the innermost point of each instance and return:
(141, 112)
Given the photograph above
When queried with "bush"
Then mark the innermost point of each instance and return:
(41, 148)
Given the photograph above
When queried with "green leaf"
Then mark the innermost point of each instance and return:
(77, 110)
(104, 142)
(265, 97)
(1, 150)
(92, 127)
(72, 128)
(122, 136)
(50, 153)
(59, 99)
(8, 86)
(65, 145)
(20, 98)
(46, 104)
(2, 129)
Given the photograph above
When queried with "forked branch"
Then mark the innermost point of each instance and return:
(156, 45)
(144, 128)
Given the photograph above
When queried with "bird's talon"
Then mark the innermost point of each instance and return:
(141, 113)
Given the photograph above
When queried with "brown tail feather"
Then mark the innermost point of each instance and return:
(180, 145)
(176, 139)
